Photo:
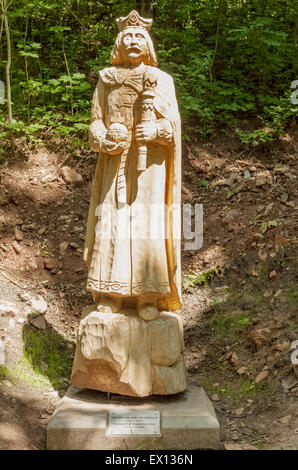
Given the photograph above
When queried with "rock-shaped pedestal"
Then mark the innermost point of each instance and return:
(121, 353)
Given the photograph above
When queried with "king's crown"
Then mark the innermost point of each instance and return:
(133, 20)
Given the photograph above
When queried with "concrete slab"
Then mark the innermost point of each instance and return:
(188, 421)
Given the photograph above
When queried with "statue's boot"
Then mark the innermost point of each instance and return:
(109, 304)
(147, 311)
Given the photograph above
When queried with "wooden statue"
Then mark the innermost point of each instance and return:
(132, 343)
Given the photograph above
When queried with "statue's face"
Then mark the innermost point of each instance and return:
(134, 45)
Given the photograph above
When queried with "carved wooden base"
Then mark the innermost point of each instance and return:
(121, 353)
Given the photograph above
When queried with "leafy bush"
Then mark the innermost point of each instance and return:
(230, 60)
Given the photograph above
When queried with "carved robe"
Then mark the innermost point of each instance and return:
(127, 206)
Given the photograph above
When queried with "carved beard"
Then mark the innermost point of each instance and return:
(126, 60)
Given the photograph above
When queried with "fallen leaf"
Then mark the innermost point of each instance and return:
(280, 240)
(226, 356)
(279, 291)
(241, 370)
(272, 274)
(262, 375)
(16, 247)
(259, 337)
(268, 293)
(281, 346)
(234, 359)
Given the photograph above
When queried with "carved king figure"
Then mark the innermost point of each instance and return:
(131, 343)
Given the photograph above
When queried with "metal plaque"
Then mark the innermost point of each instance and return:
(133, 423)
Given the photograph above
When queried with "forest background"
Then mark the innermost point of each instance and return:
(233, 62)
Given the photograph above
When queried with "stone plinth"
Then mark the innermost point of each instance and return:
(188, 421)
(123, 354)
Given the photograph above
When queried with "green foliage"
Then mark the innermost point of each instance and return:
(229, 324)
(245, 389)
(48, 354)
(257, 136)
(230, 60)
(4, 373)
(230, 194)
(203, 183)
(193, 279)
(266, 225)
(238, 54)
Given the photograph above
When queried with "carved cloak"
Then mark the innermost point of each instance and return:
(165, 105)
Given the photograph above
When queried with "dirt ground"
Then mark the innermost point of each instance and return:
(240, 295)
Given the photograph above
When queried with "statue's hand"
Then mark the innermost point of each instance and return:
(112, 148)
(146, 132)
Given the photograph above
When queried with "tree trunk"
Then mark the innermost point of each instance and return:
(144, 7)
(4, 5)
